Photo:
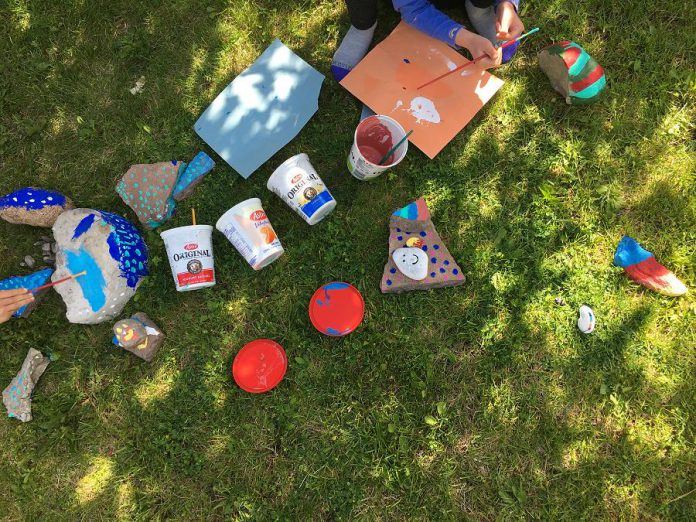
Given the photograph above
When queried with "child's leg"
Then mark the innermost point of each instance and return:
(483, 19)
(356, 42)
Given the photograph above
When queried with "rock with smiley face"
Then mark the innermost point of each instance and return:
(412, 262)
(418, 258)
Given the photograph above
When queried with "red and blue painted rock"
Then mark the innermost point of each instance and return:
(642, 267)
(573, 72)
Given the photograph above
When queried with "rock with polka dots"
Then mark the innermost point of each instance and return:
(411, 227)
(147, 189)
(113, 255)
(152, 189)
(34, 206)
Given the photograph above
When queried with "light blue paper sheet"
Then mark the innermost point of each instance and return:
(262, 109)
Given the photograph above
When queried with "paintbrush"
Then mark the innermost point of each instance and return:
(391, 151)
(503, 46)
(43, 287)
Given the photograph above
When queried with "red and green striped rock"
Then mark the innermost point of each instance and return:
(573, 72)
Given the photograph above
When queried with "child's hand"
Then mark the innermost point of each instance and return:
(508, 24)
(13, 300)
(479, 46)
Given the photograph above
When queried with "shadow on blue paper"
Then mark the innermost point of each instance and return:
(262, 109)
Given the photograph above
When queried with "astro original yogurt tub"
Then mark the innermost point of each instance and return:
(249, 230)
(190, 253)
(299, 185)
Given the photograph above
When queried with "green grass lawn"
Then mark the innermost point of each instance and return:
(480, 402)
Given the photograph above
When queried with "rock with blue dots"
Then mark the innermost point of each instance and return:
(33, 206)
(411, 229)
(151, 190)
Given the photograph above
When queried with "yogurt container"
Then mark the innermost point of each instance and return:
(249, 230)
(190, 253)
(374, 137)
(299, 185)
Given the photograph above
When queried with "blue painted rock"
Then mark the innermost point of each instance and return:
(573, 72)
(33, 206)
(30, 281)
(111, 251)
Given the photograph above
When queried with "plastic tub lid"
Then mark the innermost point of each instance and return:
(259, 366)
(336, 309)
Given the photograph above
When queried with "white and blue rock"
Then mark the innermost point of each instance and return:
(111, 251)
(34, 206)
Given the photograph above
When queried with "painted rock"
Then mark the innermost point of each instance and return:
(586, 319)
(139, 335)
(33, 206)
(412, 262)
(641, 266)
(111, 251)
(129, 333)
(410, 228)
(573, 72)
(17, 396)
(192, 175)
(147, 190)
(151, 189)
(29, 281)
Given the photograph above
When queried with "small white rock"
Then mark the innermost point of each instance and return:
(586, 320)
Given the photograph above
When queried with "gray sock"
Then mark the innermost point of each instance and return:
(353, 48)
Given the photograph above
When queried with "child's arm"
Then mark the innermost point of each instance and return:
(425, 17)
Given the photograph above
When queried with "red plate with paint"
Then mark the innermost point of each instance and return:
(336, 309)
(259, 366)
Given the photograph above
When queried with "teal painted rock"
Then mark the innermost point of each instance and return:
(573, 72)
(111, 251)
(152, 190)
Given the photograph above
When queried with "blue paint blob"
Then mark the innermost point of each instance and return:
(84, 225)
(124, 242)
(92, 283)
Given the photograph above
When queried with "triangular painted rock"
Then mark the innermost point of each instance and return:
(411, 227)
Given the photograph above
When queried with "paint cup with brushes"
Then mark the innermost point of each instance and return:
(380, 143)
(190, 253)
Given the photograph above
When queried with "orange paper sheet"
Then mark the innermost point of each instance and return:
(386, 80)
